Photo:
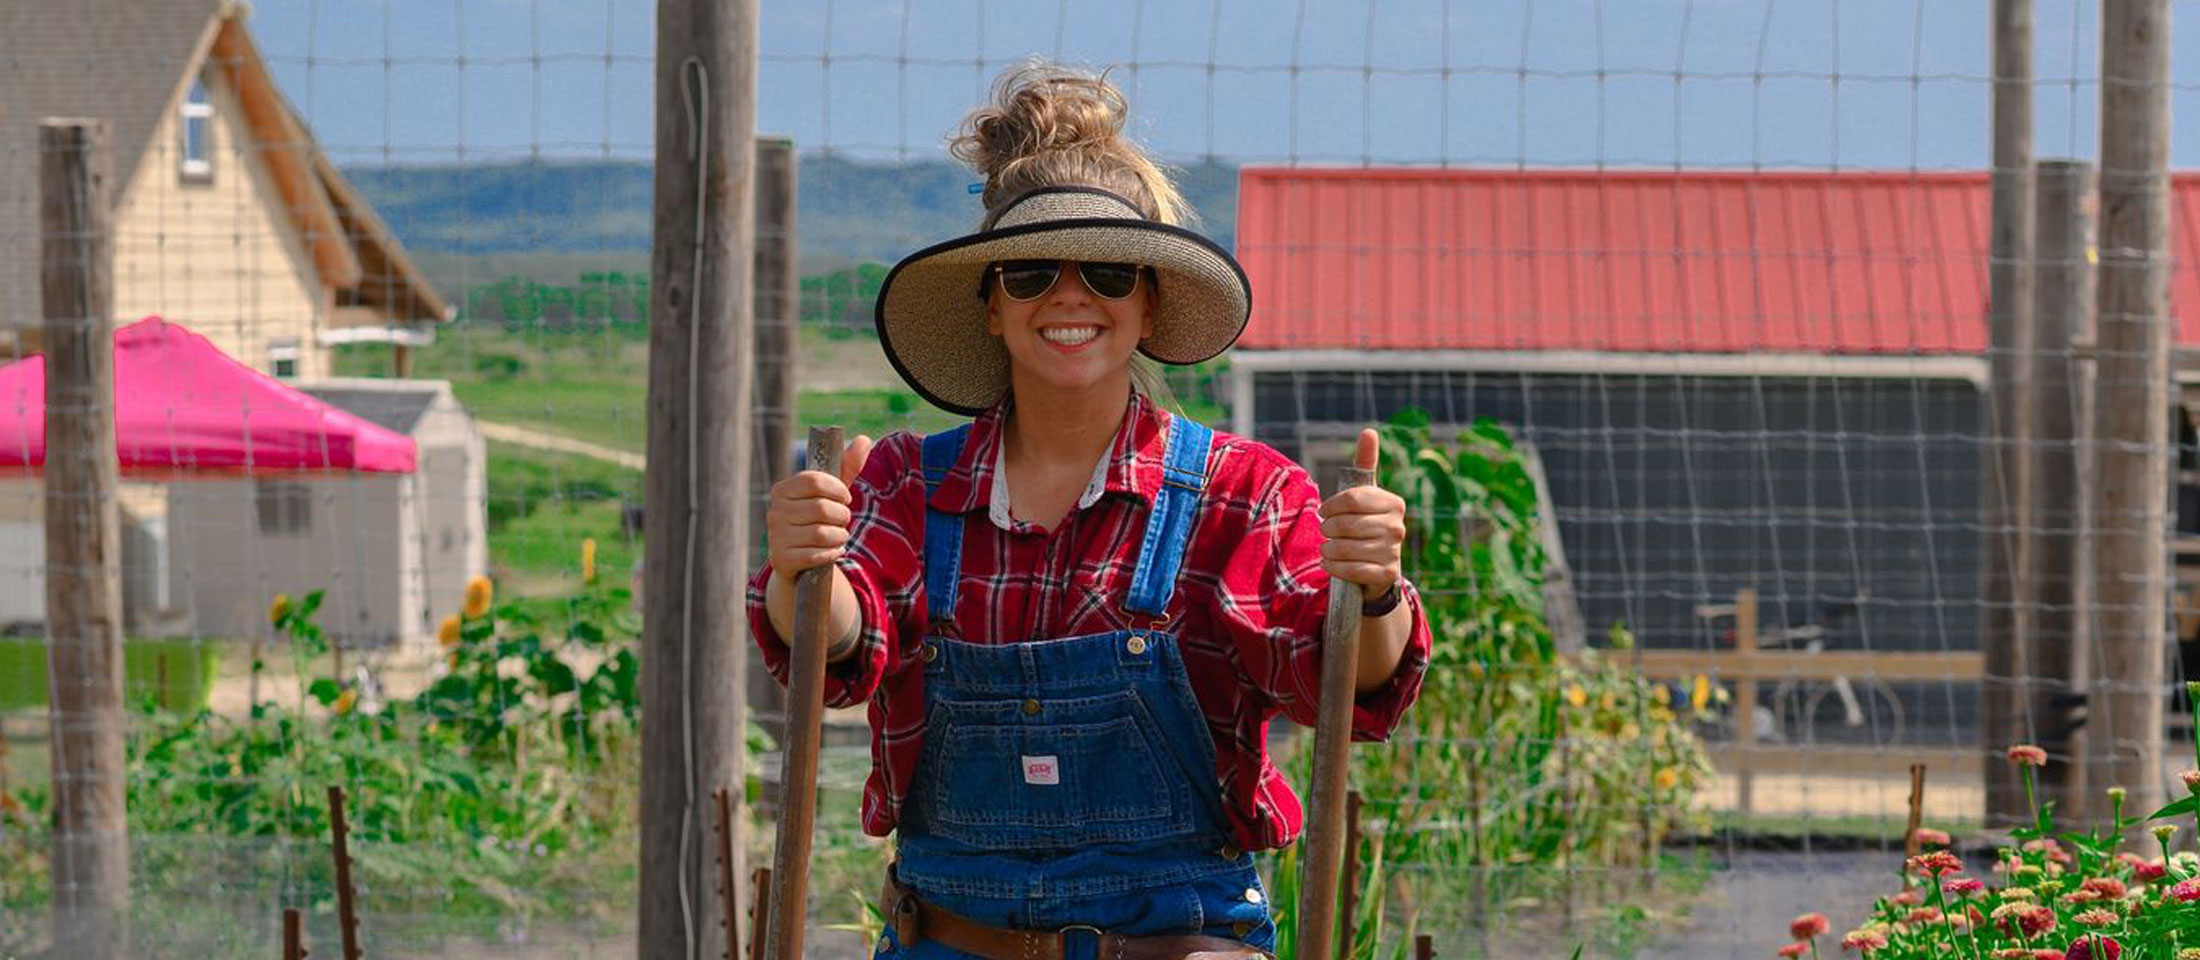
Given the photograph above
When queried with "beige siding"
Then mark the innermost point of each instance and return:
(220, 256)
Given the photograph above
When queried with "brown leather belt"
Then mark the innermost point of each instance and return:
(914, 920)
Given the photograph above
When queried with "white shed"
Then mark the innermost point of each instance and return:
(392, 553)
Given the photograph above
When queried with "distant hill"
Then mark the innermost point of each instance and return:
(847, 211)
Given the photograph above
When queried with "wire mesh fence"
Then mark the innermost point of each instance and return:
(1677, 316)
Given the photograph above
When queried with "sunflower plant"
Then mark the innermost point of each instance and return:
(505, 786)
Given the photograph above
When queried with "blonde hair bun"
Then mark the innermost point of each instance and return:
(1050, 125)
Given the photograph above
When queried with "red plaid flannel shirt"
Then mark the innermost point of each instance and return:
(1248, 605)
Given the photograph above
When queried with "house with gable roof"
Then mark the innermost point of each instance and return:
(228, 218)
(231, 222)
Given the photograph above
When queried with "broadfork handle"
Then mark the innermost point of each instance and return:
(1325, 831)
(798, 756)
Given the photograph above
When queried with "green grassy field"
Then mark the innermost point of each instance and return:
(543, 504)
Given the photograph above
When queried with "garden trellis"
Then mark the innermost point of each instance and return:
(1698, 310)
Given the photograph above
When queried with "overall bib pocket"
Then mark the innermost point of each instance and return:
(1032, 774)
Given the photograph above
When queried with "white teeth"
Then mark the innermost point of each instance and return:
(1069, 336)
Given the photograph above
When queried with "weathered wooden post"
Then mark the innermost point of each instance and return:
(91, 842)
(2062, 314)
(697, 476)
(778, 316)
(2005, 637)
(2131, 430)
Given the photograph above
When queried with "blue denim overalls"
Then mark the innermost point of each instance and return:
(1070, 783)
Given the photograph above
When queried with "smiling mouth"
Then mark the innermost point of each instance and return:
(1069, 336)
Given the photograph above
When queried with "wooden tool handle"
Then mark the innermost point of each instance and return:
(798, 756)
(1323, 853)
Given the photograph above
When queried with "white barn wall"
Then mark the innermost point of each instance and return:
(22, 552)
(353, 550)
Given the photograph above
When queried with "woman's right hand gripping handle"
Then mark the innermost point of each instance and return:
(806, 526)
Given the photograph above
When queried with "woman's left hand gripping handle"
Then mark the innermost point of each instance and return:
(1364, 528)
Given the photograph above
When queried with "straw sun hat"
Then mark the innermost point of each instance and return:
(932, 321)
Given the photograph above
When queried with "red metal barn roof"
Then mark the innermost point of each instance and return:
(1809, 263)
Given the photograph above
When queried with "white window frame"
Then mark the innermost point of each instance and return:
(282, 350)
(284, 508)
(198, 109)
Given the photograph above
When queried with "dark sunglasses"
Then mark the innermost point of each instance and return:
(1027, 280)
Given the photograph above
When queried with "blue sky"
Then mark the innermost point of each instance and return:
(1897, 84)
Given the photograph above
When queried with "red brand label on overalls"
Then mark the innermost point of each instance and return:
(1042, 770)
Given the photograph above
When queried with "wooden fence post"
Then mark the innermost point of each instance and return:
(2131, 429)
(2006, 689)
(347, 901)
(1745, 700)
(1910, 843)
(778, 348)
(2062, 314)
(91, 843)
(294, 935)
(697, 476)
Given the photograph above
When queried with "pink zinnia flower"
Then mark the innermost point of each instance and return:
(2094, 948)
(1962, 887)
(2025, 754)
(1907, 898)
(2186, 891)
(1796, 949)
(1809, 925)
(2025, 919)
(1923, 915)
(2150, 870)
(2109, 888)
(1932, 837)
(1864, 941)
(2192, 780)
(1938, 863)
(2097, 917)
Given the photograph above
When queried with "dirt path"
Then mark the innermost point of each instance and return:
(1746, 909)
(545, 440)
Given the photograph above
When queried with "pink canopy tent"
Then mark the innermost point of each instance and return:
(183, 407)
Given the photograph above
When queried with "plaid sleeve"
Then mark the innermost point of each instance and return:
(1276, 596)
(881, 564)
(1376, 713)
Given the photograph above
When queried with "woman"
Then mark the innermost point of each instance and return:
(1074, 617)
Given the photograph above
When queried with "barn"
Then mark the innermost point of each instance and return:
(1731, 379)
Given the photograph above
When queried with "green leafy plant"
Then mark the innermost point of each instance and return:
(504, 787)
(1521, 774)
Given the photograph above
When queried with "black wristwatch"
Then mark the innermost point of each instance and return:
(1381, 606)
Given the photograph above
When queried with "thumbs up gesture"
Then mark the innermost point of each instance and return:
(1364, 529)
(806, 521)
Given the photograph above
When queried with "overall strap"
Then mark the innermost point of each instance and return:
(1169, 524)
(943, 532)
